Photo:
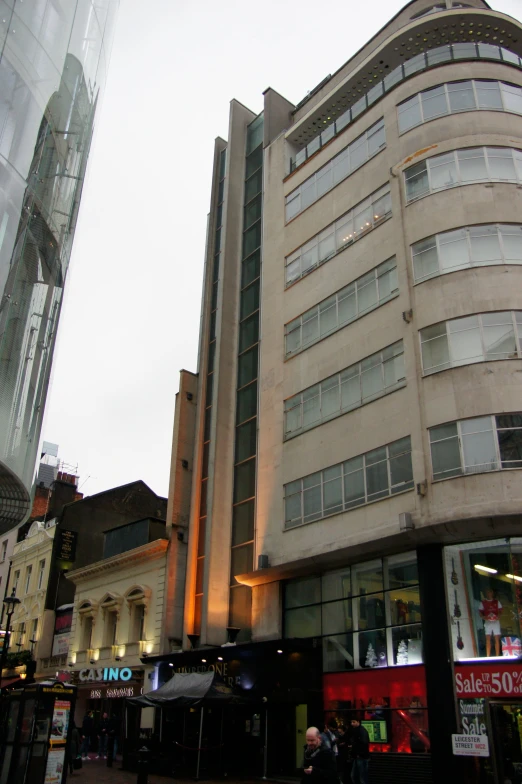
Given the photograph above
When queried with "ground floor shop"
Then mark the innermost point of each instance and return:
(103, 690)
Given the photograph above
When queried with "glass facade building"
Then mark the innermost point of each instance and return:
(53, 66)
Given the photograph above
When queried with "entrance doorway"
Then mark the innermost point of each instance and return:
(506, 720)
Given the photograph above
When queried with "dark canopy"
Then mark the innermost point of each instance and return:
(188, 688)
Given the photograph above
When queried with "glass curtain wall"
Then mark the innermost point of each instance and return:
(53, 67)
(243, 512)
(209, 389)
(368, 615)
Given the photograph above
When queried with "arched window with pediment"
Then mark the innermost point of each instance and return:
(137, 598)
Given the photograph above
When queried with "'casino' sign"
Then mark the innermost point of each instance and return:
(106, 674)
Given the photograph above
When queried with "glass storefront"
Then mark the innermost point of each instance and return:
(484, 588)
(52, 70)
(390, 703)
(368, 615)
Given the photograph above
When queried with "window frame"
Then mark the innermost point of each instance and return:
(460, 437)
(456, 163)
(469, 261)
(347, 503)
(472, 361)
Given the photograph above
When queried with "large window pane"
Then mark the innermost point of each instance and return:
(509, 430)
(247, 367)
(499, 335)
(472, 165)
(332, 490)
(347, 305)
(512, 97)
(443, 171)
(434, 348)
(409, 114)
(461, 96)
(434, 103)
(302, 592)
(445, 451)
(407, 645)
(243, 522)
(402, 570)
(453, 250)
(246, 440)
(367, 577)
(488, 95)
(501, 164)
(478, 445)
(354, 483)
(338, 653)
(304, 622)
(377, 483)
(401, 471)
(371, 611)
(336, 585)
(372, 649)
(337, 617)
(246, 403)
(248, 332)
(484, 245)
(244, 481)
(465, 340)
(425, 259)
(512, 243)
(417, 183)
(242, 561)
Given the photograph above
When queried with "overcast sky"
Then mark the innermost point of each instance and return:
(130, 320)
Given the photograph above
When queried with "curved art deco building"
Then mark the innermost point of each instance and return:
(54, 56)
(358, 467)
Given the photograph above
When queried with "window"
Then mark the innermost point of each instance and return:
(139, 622)
(345, 163)
(367, 380)
(432, 57)
(454, 97)
(34, 630)
(460, 167)
(28, 573)
(472, 246)
(41, 572)
(87, 627)
(4, 551)
(16, 580)
(350, 303)
(473, 446)
(463, 341)
(368, 615)
(21, 635)
(111, 627)
(350, 227)
(483, 597)
(361, 480)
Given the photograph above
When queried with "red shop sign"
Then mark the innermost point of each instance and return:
(488, 680)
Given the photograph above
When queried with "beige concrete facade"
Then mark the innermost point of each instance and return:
(468, 506)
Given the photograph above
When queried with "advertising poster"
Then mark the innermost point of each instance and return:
(55, 766)
(60, 721)
(62, 631)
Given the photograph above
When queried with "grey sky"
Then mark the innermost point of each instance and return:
(131, 314)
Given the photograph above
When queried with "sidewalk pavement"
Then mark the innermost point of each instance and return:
(96, 772)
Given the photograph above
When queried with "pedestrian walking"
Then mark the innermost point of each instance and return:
(319, 762)
(87, 733)
(343, 757)
(104, 728)
(74, 746)
(360, 752)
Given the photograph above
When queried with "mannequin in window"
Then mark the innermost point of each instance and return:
(490, 610)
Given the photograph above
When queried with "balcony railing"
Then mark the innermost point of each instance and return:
(421, 62)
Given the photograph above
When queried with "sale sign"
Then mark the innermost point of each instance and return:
(488, 680)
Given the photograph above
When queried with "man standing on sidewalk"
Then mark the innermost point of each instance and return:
(360, 741)
(103, 736)
(319, 761)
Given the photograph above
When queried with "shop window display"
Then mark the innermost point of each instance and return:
(484, 587)
(367, 615)
(391, 705)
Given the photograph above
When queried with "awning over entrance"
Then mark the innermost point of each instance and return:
(192, 688)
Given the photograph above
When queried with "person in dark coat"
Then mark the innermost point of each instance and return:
(343, 758)
(74, 746)
(319, 762)
(87, 733)
(104, 728)
(360, 752)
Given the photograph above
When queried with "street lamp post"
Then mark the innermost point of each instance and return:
(10, 603)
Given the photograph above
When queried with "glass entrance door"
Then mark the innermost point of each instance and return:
(506, 719)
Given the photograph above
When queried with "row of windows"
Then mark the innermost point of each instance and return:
(373, 377)
(472, 246)
(421, 62)
(473, 446)
(337, 169)
(350, 303)
(463, 341)
(377, 474)
(439, 254)
(28, 578)
(339, 235)
(455, 97)
(460, 167)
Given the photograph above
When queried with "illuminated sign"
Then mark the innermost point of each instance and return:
(376, 730)
(66, 545)
(112, 693)
(106, 674)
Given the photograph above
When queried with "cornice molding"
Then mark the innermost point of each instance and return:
(146, 552)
